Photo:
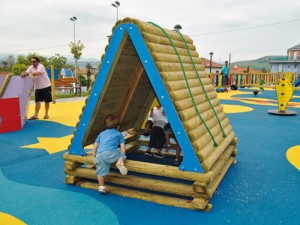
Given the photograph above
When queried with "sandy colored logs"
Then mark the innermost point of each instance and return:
(160, 199)
(193, 123)
(170, 187)
(200, 129)
(205, 142)
(172, 58)
(199, 99)
(147, 27)
(178, 75)
(212, 158)
(169, 66)
(182, 84)
(191, 113)
(165, 41)
(185, 93)
(154, 47)
(149, 168)
(216, 169)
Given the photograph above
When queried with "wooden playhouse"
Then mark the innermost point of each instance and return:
(142, 62)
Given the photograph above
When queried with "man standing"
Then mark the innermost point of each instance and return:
(42, 86)
(225, 75)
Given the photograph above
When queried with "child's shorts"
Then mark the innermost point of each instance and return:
(103, 161)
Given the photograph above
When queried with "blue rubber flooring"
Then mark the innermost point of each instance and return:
(262, 188)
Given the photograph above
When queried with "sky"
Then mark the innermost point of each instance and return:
(244, 29)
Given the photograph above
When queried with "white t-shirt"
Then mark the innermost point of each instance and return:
(41, 81)
(158, 117)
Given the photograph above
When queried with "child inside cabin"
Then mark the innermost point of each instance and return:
(106, 152)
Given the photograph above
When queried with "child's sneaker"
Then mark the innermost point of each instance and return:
(158, 155)
(102, 189)
(177, 161)
(148, 153)
(122, 168)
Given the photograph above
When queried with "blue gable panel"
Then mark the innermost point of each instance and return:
(76, 147)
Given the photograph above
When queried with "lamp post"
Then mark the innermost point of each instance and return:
(73, 19)
(116, 5)
(177, 27)
(211, 55)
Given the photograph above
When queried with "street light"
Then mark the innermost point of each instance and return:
(116, 5)
(211, 55)
(177, 27)
(73, 19)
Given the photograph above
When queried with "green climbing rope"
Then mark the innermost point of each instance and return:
(199, 78)
(186, 81)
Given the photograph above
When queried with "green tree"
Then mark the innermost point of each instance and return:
(76, 50)
(88, 75)
(17, 69)
(23, 60)
(58, 61)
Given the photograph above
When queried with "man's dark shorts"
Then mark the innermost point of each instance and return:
(43, 95)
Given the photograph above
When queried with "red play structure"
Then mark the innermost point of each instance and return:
(15, 94)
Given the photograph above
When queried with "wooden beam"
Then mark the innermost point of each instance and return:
(135, 79)
(160, 199)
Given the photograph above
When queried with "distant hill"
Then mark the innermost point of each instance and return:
(259, 64)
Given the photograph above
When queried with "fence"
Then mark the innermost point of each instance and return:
(250, 79)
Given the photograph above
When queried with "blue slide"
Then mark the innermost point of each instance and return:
(297, 82)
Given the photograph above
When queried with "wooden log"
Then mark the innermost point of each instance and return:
(198, 129)
(154, 47)
(204, 151)
(203, 108)
(147, 27)
(211, 159)
(178, 75)
(70, 179)
(234, 141)
(192, 123)
(219, 164)
(173, 58)
(149, 168)
(160, 199)
(185, 94)
(199, 203)
(165, 41)
(218, 180)
(183, 84)
(205, 140)
(199, 99)
(175, 188)
(71, 165)
(167, 67)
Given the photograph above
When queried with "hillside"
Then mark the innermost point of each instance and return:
(259, 64)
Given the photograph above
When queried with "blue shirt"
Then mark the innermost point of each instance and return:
(109, 140)
(225, 70)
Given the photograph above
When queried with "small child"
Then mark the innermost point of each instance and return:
(106, 152)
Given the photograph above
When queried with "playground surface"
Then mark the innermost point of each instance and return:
(262, 188)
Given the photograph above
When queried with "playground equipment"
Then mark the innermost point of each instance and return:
(144, 61)
(15, 94)
(284, 92)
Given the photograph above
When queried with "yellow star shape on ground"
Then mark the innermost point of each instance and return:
(52, 145)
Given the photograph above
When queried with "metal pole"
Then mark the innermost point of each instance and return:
(210, 64)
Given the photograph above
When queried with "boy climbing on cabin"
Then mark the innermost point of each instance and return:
(106, 152)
